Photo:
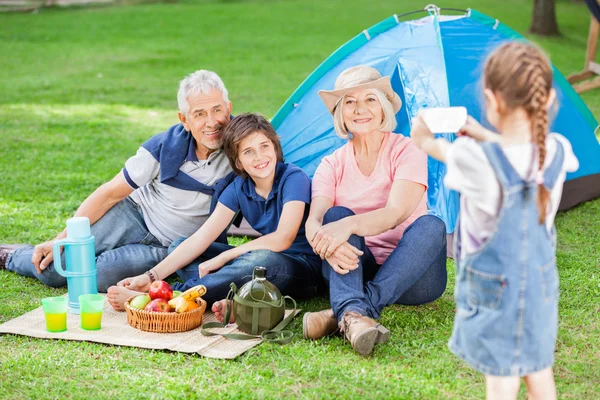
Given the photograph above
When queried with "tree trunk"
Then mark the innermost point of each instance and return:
(544, 18)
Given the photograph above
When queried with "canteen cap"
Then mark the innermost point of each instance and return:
(78, 227)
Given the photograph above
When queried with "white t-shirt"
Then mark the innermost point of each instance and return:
(470, 173)
(171, 213)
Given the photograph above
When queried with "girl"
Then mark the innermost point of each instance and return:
(274, 199)
(511, 184)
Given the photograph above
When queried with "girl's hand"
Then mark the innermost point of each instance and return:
(331, 236)
(420, 132)
(475, 130)
(140, 283)
(211, 265)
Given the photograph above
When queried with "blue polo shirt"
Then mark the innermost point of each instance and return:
(291, 184)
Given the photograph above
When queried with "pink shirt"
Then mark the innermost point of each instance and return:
(339, 179)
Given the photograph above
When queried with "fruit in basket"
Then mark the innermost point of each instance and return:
(177, 293)
(179, 304)
(160, 290)
(140, 301)
(194, 293)
(192, 305)
(158, 305)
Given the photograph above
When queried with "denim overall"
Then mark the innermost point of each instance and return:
(507, 292)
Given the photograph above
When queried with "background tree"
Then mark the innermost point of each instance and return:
(543, 21)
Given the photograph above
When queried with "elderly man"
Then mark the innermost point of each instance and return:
(163, 193)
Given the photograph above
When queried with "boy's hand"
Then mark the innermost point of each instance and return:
(211, 265)
(140, 283)
(420, 132)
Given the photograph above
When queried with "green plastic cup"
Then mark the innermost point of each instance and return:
(55, 312)
(91, 306)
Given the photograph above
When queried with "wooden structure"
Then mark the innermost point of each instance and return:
(591, 68)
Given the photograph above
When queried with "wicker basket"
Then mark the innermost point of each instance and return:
(164, 322)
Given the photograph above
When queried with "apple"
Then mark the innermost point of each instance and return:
(140, 301)
(160, 290)
(158, 305)
(177, 293)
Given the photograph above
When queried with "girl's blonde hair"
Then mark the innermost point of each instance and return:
(388, 123)
(521, 75)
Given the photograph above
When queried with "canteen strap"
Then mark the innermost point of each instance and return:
(275, 335)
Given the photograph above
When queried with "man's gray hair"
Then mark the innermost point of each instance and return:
(199, 82)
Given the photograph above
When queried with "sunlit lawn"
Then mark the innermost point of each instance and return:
(81, 88)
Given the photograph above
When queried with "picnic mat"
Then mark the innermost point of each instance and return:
(115, 330)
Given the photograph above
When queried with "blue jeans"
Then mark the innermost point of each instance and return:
(414, 273)
(124, 248)
(296, 275)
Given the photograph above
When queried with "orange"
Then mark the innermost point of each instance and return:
(192, 305)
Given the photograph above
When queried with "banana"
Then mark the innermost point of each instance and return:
(179, 304)
(193, 293)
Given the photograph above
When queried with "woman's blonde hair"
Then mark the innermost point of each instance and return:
(388, 123)
(521, 75)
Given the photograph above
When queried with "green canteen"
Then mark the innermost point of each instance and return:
(258, 305)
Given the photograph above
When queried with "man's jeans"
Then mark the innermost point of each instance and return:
(296, 275)
(414, 273)
(124, 248)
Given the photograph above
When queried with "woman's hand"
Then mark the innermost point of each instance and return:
(420, 132)
(140, 283)
(344, 259)
(475, 130)
(211, 265)
(311, 227)
(331, 236)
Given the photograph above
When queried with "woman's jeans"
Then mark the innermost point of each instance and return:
(414, 273)
(297, 275)
(124, 248)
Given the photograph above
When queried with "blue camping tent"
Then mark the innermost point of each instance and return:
(435, 61)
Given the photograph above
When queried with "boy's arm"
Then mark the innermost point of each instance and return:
(187, 251)
(278, 241)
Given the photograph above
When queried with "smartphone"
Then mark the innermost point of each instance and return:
(444, 119)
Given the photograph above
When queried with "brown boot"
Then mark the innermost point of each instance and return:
(316, 325)
(363, 332)
(5, 251)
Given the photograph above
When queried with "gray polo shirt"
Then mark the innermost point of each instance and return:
(171, 213)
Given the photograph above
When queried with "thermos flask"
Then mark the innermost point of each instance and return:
(80, 260)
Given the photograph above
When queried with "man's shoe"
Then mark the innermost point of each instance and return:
(5, 250)
(363, 332)
(316, 325)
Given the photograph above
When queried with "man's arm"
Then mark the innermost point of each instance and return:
(94, 207)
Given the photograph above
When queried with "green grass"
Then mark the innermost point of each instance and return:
(81, 88)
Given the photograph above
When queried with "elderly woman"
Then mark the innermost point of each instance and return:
(368, 217)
